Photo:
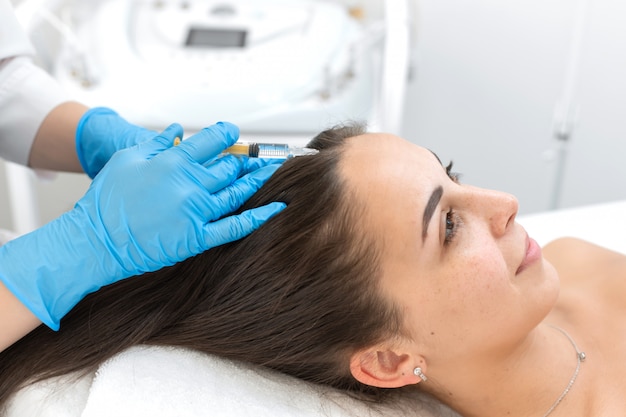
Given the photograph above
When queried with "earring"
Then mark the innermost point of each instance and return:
(418, 372)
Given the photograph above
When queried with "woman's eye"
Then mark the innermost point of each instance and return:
(452, 225)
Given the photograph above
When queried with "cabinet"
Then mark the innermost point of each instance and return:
(595, 169)
(492, 80)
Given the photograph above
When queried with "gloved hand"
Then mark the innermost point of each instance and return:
(100, 133)
(151, 206)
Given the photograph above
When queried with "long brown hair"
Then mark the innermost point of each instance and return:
(299, 295)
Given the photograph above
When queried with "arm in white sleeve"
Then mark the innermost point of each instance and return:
(28, 96)
(39, 126)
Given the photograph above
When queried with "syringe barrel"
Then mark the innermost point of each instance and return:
(268, 150)
(272, 150)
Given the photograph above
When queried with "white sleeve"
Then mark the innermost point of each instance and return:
(13, 40)
(27, 92)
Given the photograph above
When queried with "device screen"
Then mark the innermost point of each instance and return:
(216, 38)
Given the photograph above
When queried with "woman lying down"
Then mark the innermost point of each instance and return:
(384, 276)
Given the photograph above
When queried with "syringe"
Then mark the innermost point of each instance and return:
(269, 150)
(265, 150)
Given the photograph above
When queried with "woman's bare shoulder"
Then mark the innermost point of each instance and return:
(592, 305)
(582, 264)
(578, 252)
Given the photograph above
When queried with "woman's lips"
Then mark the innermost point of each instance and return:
(533, 254)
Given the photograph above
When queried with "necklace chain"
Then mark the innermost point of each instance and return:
(580, 357)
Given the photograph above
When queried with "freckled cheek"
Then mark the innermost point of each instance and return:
(482, 280)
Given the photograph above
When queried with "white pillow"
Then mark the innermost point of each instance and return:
(167, 382)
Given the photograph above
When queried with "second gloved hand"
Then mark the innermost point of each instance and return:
(151, 206)
(100, 133)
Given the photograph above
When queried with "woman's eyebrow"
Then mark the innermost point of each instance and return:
(433, 201)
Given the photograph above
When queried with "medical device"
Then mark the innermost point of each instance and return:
(266, 65)
(269, 150)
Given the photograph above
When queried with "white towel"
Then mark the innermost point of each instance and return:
(55, 397)
(167, 382)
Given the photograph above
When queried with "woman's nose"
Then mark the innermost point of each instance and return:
(500, 210)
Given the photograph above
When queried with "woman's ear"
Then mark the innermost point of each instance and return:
(384, 368)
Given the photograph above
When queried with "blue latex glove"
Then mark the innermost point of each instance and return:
(100, 133)
(151, 206)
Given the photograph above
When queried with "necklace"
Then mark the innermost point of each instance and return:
(580, 357)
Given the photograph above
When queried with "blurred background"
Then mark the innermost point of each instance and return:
(525, 96)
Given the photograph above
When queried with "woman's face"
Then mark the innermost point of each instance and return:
(465, 274)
